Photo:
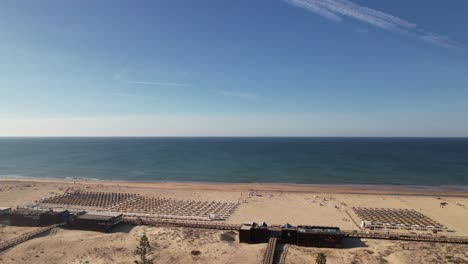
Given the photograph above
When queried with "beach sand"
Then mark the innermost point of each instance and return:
(328, 205)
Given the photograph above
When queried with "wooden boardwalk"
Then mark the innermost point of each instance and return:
(351, 234)
(270, 251)
(25, 237)
(178, 223)
(271, 248)
(407, 237)
(282, 259)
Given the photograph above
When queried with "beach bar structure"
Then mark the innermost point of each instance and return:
(31, 217)
(288, 234)
(302, 235)
(318, 236)
(253, 233)
(98, 221)
(54, 217)
(5, 215)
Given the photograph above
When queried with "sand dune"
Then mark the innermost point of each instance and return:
(320, 205)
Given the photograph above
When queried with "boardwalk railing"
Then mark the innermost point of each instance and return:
(25, 237)
(270, 251)
(175, 223)
(282, 259)
(408, 237)
(352, 234)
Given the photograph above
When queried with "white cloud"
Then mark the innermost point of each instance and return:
(335, 10)
(159, 83)
(316, 8)
(440, 40)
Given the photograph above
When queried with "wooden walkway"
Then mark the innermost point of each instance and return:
(407, 237)
(284, 254)
(178, 223)
(25, 237)
(270, 251)
(351, 234)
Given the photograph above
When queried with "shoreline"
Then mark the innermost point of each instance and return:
(379, 189)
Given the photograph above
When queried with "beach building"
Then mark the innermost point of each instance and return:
(26, 217)
(253, 233)
(96, 221)
(274, 231)
(244, 234)
(318, 236)
(53, 217)
(31, 217)
(307, 236)
(288, 234)
(259, 234)
(5, 215)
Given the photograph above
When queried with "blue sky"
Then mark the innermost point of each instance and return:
(234, 68)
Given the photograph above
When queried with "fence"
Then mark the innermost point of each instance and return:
(270, 251)
(25, 237)
(407, 237)
(176, 223)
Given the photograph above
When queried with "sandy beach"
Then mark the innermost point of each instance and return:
(327, 205)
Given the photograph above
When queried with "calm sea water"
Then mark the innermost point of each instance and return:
(407, 161)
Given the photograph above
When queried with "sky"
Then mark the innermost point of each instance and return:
(234, 68)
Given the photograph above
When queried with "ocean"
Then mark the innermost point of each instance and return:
(401, 161)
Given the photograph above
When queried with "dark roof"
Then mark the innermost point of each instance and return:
(22, 211)
(319, 230)
(99, 217)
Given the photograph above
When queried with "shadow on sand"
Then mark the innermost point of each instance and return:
(349, 242)
(123, 228)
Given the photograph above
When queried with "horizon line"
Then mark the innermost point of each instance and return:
(343, 137)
